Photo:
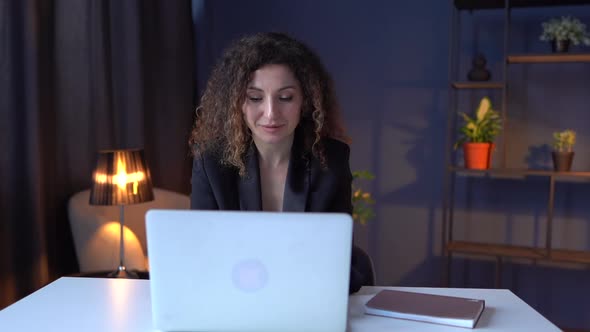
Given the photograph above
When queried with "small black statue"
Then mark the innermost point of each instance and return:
(479, 71)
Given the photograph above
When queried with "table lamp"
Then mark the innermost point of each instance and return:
(121, 177)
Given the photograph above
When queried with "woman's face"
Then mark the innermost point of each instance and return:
(273, 102)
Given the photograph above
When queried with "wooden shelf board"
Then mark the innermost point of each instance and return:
(549, 58)
(477, 85)
(487, 249)
(564, 255)
(497, 4)
(495, 250)
(521, 172)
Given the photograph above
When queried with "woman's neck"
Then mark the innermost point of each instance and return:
(274, 155)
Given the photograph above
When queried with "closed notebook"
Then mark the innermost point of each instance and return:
(446, 310)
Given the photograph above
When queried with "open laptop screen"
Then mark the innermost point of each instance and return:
(249, 271)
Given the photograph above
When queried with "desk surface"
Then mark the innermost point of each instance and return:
(89, 304)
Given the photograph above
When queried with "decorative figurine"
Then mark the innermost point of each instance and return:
(479, 71)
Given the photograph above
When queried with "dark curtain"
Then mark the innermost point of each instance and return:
(77, 76)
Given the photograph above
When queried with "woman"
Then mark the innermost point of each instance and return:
(268, 135)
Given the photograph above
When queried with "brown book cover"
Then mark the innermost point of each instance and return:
(439, 309)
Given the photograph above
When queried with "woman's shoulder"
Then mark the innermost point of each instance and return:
(209, 158)
(336, 156)
(335, 149)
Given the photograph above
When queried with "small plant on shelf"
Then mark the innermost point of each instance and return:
(477, 135)
(563, 141)
(563, 154)
(563, 31)
(362, 201)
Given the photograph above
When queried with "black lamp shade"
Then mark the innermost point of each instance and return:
(121, 177)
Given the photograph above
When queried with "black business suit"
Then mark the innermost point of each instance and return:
(308, 187)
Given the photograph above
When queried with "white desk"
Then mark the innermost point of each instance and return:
(103, 305)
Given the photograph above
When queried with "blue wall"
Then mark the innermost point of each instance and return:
(390, 63)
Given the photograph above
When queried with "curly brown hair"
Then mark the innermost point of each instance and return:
(219, 125)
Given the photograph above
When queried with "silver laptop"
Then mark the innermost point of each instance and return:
(249, 271)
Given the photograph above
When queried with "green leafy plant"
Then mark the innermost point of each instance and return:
(481, 128)
(361, 200)
(565, 28)
(563, 141)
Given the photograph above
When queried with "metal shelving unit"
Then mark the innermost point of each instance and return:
(499, 251)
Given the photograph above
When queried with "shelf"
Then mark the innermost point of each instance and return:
(478, 85)
(497, 4)
(543, 183)
(487, 249)
(520, 172)
(563, 255)
(549, 58)
(495, 250)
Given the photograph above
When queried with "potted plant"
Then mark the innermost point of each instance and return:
(477, 135)
(563, 31)
(362, 200)
(563, 154)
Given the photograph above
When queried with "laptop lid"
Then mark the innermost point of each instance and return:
(249, 271)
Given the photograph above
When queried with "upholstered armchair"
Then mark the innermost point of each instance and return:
(95, 230)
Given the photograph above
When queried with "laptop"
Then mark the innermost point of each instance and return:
(249, 271)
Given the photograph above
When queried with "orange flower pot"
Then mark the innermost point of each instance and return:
(478, 155)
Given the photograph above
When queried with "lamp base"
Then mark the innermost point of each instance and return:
(122, 272)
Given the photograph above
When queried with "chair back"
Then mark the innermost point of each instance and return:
(96, 234)
(363, 262)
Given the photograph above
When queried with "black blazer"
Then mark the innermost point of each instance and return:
(308, 187)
